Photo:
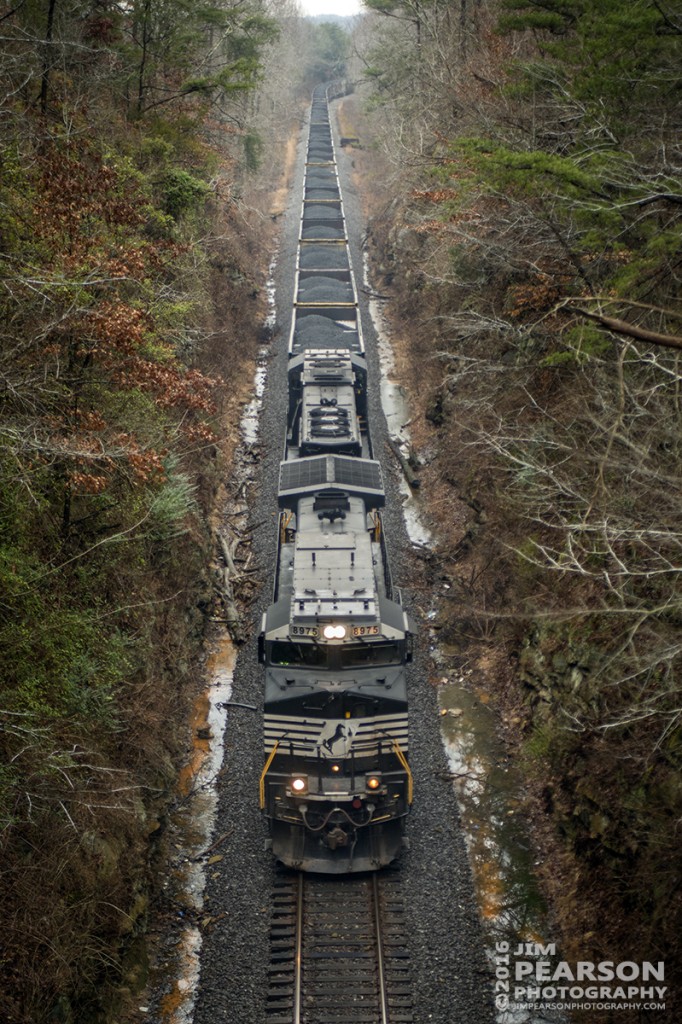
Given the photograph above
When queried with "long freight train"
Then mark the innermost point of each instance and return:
(336, 783)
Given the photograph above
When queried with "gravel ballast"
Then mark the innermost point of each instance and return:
(450, 976)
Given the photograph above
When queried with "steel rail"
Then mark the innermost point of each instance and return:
(298, 953)
(375, 916)
(383, 997)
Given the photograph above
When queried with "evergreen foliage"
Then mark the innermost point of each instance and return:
(329, 52)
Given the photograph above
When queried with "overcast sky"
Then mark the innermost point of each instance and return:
(343, 7)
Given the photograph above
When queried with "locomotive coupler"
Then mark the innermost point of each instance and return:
(336, 837)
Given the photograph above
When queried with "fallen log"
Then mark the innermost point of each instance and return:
(228, 549)
(230, 575)
(411, 477)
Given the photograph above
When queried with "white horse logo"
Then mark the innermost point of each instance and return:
(336, 739)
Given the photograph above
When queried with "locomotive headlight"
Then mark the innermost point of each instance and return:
(299, 784)
(332, 632)
(373, 782)
(336, 768)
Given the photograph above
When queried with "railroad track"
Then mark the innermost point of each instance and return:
(338, 951)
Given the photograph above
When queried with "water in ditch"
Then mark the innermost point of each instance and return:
(191, 826)
(397, 413)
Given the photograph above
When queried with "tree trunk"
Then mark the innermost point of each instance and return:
(47, 59)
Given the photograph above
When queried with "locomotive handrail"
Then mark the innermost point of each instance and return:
(261, 785)
(388, 581)
(403, 760)
(285, 519)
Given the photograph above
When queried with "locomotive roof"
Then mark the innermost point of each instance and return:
(327, 366)
(302, 477)
(333, 564)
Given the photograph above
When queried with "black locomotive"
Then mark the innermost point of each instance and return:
(336, 783)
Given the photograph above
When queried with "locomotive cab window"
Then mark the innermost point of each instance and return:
(371, 654)
(314, 655)
(303, 655)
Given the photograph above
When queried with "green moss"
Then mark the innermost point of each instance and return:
(537, 746)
